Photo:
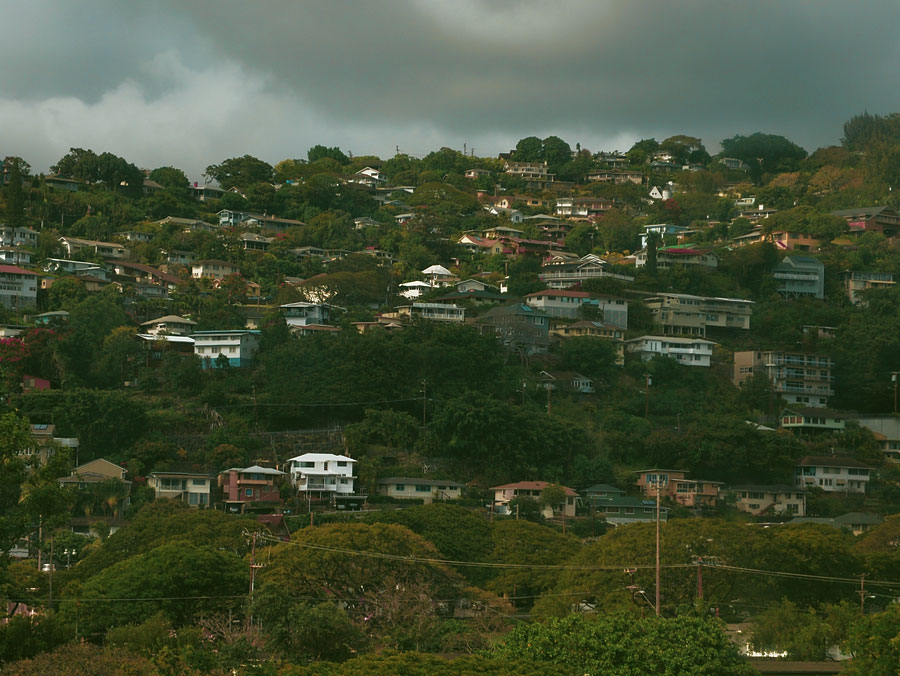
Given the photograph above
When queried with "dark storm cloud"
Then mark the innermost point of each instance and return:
(602, 68)
(193, 82)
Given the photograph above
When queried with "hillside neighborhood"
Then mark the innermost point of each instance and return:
(538, 358)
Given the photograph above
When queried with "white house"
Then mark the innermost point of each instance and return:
(239, 346)
(17, 236)
(686, 351)
(321, 476)
(438, 275)
(303, 313)
(18, 287)
(833, 474)
(213, 269)
(74, 245)
(188, 487)
(414, 289)
(568, 304)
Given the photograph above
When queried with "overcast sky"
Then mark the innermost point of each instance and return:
(190, 83)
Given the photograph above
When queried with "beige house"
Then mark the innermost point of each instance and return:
(428, 490)
(758, 500)
(188, 487)
(796, 377)
(504, 494)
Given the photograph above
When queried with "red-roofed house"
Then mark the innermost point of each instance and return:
(477, 244)
(533, 489)
(18, 287)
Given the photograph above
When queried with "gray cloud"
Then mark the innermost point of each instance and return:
(199, 81)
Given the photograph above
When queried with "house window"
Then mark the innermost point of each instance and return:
(400, 487)
(629, 510)
(423, 488)
(193, 499)
(341, 463)
(198, 482)
(248, 492)
(306, 464)
(612, 510)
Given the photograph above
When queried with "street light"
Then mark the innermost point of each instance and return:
(69, 553)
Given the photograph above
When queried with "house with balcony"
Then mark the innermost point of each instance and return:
(673, 484)
(302, 313)
(170, 325)
(18, 287)
(321, 477)
(686, 351)
(427, 490)
(476, 244)
(883, 219)
(800, 277)
(561, 270)
(517, 326)
(568, 304)
(504, 494)
(436, 312)
(616, 177)
(679, 257)
(191, 488)
(793, 241)
(685, 314)
(833, 474)
(796, 377)
(855, 282)
(811, 419)
(243, 485)
(758, 500)
(238, 346)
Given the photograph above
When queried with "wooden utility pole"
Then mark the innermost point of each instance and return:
(862, 591)
(424, 402)
(657, 548)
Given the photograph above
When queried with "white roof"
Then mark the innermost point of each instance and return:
(168, 318)
(416, 284)
(168, 339)
(436, 270)
(320, 457)
(256, 469)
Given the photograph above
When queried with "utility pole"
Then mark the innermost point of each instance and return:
(51, 572)
(658, 486)
(862, 590)
(424, 402)
(549, 403)
(894, 377)
(700, 579)
(253, 567)
(647, 382)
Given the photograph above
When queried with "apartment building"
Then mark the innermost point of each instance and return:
(796, 377)
(679, 313)
(686, 351)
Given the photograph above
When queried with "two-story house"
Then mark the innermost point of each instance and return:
(238, 346)
(568, 305)
(321, 477)
(171, 325)
(674, 484)
(192, 488)
(686, 314)
(517, 326)
(302, 313)
(759, 500)
(810, 419)
(561, 270)
(857, 281)
(833, 474)
(684, 350)
(243, 485)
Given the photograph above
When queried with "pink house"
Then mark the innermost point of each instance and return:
(241, 486)
(673, 484)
